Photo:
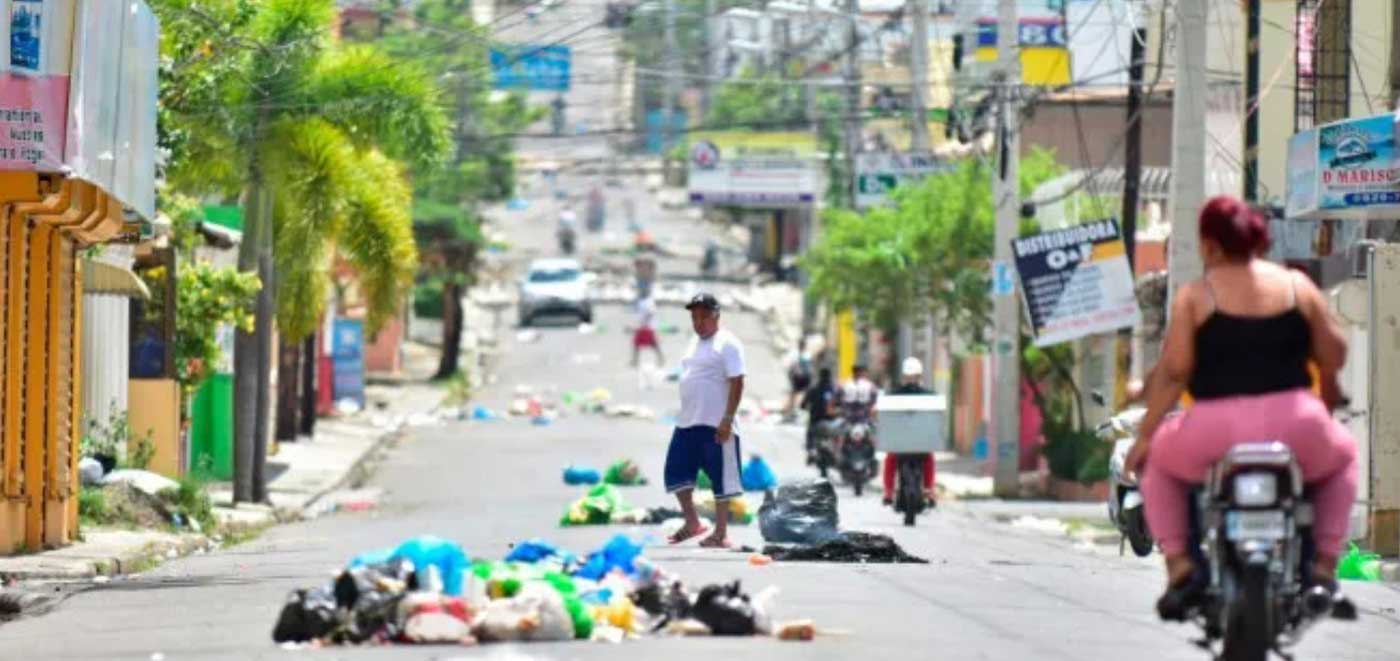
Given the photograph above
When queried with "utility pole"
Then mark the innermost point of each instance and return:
(1188, 143)
(1006, 308)
(711, 74)
(918, 75)
(1132, 148)
(1251, 97)
(852, 81)
(668, 86)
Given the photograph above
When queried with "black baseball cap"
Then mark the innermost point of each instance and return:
(703, 300)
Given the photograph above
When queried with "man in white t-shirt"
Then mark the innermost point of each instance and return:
(712, 385)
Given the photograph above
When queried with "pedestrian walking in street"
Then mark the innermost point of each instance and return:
(705, 437)
(644, 335)
(799, 366)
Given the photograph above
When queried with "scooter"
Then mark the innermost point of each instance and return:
(821, 451)
(1253, 549)
(857, 461)
(1124, 497)
(567, 237)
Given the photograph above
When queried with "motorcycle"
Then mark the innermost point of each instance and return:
(821, 449)
(1124, 498)
(857, 461)
(908, 487)
(1253, 548)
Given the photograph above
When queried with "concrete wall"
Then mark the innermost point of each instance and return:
(1052, 125)
(384, 355)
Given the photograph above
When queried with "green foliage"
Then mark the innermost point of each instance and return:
(1076, 454)
(191, 502)
(92, 507)
(258, 94)
(758, 101)
(927, 252)
(114, 438)
(459, 388)
(427, 299)
(207, 298)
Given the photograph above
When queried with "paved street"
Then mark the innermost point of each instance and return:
(991, 590)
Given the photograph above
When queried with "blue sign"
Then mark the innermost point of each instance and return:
(1358, 163)
(348, 362)
(654, 124)
(538, 68)
(1035, 33)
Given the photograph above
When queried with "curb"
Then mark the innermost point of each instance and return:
(354, 468)
(127, 562)
(1390, 571)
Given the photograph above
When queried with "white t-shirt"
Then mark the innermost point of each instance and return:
(705, 372)
(646, 313)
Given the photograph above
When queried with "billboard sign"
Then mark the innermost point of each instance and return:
(34, 83)
(1346, 170)
(1076, 282)
(879, 173)
(753, 169)
(535, 68)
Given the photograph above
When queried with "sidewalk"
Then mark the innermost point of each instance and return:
(305, 477)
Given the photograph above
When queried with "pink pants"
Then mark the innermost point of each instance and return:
(1186, 446)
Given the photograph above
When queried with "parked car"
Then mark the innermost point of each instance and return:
(554, 286)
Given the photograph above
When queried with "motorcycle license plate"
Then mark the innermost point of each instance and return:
(1269, 524)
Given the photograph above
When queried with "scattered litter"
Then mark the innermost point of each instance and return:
(535, 550)
(596, 507)
(587, 329)
(148, 482)
(527, 336)
(541, 421)
(624, 473)
(760, 560)
(101, 579)
(740, 511)
(90, 471)
(576, 475)
(725, 610)
(802, 630)
(1356, 565)
(758, 475)
(801, 513)
(480, 412)
(347, 406)
(847, 547)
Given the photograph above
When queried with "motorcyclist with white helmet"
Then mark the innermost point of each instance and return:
(911, 372)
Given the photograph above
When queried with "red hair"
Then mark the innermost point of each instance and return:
(1241, 230)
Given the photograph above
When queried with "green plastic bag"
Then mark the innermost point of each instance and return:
(596, 507)
(625, 473)
(702, 481)
(1358, 566)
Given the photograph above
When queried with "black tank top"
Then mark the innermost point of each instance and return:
(1248, 355)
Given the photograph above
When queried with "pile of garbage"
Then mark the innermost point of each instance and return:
(623, 473)
(800, 523)
(426, 591)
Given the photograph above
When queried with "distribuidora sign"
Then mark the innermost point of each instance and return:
(1076, 282)
(753, 169)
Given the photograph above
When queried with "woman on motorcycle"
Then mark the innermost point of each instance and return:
(1239, 340)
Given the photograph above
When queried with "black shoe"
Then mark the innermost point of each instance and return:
(1178, 601)
(887, 501)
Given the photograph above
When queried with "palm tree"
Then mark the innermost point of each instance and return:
(260, 102)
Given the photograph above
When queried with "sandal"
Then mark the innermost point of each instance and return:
(686, 534)
(709, 543)
(1180, 599)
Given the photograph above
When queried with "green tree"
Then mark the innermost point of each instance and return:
(259, 102)
(441, 36)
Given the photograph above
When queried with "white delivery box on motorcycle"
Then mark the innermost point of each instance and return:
(912, 424)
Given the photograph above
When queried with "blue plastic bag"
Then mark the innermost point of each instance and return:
(535, 550)
(758, 475)
(576, 475)
(480, 412)
(618, 553)
(448, 557)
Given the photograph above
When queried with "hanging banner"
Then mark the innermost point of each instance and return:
(34, 85)
(1076, 282)
(753, 168)
(538, 68)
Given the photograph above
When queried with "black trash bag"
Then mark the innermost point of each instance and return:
(308, 615)
(375, 613)
(847, 547)
(800, 513)
(666, 604)
(356, 581)
(659, 515)
(725, 609)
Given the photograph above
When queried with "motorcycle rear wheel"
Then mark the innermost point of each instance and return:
(1250, 633)
(1136, 530)
(911, 496)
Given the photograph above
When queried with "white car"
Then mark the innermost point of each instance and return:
(555, 286)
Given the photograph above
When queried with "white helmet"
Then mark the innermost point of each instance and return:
(912, 367)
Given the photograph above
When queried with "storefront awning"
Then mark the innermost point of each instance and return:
(104, 278)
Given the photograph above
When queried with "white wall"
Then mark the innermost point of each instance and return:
(106, 357)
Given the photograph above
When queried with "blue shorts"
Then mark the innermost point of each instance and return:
(694, 449)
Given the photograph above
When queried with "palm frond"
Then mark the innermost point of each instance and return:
(383, 103)
(377, 240)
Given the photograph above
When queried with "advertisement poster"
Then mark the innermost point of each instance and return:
(879, 173)
(757, 169)
(1076, 282)
(34, 83)
(1357, 165)
(538, 68)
